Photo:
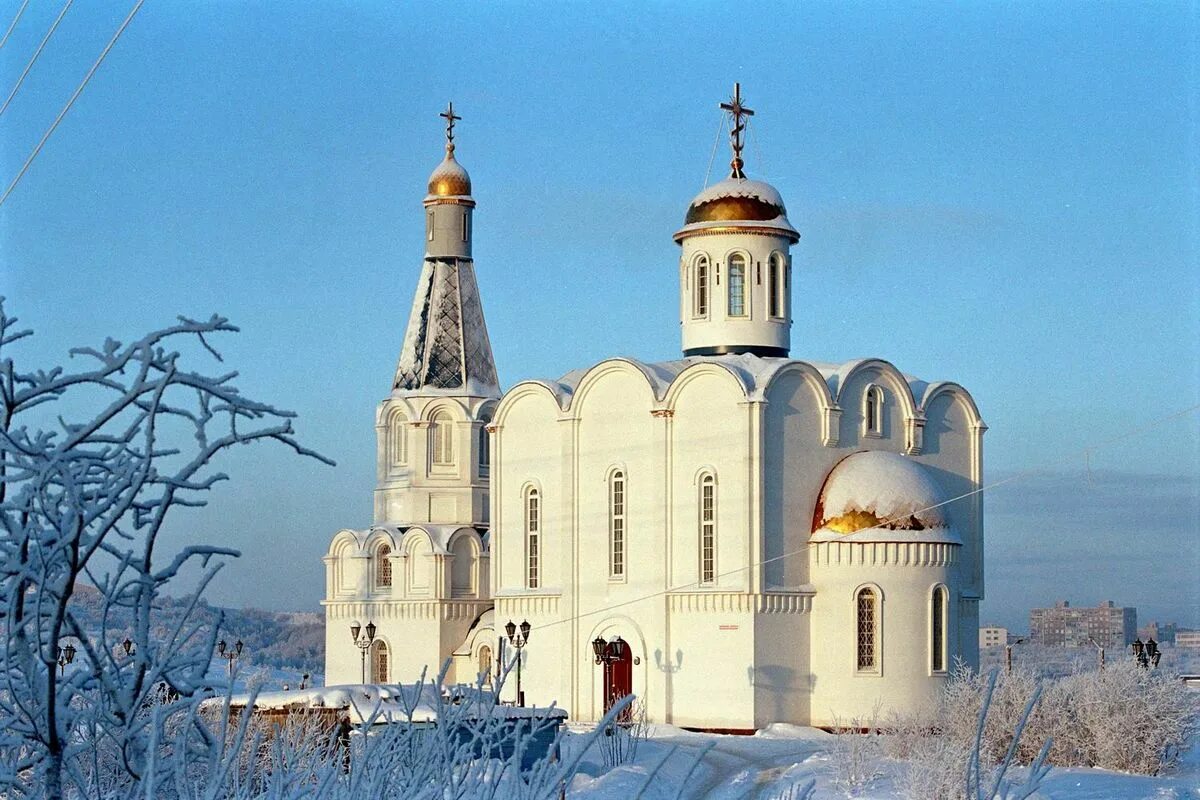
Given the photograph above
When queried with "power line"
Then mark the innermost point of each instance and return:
(716, 141)
(36, 53)
(71, 102)
(1085, 451)
(8, 32)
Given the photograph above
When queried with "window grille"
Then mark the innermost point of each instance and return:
(379, 663)
(708, 533)
(533, 522)
(383, 567)
(737, 286)
(938, 629)
(616, 525)
(867, 634)
(701, 287)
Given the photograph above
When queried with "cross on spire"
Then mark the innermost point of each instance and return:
(737, 111)
(450, 118)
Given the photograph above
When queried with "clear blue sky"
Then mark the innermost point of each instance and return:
(999, 194)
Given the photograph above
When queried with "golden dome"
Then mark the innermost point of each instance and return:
(449, 179)
(724, 209)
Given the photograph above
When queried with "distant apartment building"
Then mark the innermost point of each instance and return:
(1065, 626)
(1161, 632)
(992, 636)
(1186, 638)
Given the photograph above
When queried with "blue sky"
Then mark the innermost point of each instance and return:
(999, 194)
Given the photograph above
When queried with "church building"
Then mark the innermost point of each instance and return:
(737, 537)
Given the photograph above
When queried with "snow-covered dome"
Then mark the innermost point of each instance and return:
(737, 202)
(450, 179)
(878, 489)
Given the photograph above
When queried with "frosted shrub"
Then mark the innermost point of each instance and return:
(620, 740)
(855, 753)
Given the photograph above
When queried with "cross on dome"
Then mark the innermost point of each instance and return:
(450, 118)
(737, 111)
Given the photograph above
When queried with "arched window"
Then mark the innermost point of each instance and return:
(775, 286)
(441, 438)
(873, 411)
(485, 449)
(429, 225)
(937, 629)
(533, 537)
(379, 662)
(700, 306)
(466, 226)
(867, 611)
(708, 529)
(737, 285)
(616, 525)
(485, 665)
(383, 567)
(397, 441)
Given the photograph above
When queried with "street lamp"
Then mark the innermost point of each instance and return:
(518, 641)
(65, 656)
(363, 642)
(230, 654)
(608, 652)
(1147, 655)
(1008, 654)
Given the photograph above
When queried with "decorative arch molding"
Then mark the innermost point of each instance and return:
(377, 536)
(456, 408)
(831, 412)
(704, 470)
(914, 416)
(629, 630)
(392, 406)
(344, 540)
(525, 390)
(698, 370)
(609, 366)
(960, 395)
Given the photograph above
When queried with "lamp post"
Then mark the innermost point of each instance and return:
(518, 640)
(1099, 651)
(230, 654)
(363, 642)
(1148, 654)
(65, 656)
(1008, 654)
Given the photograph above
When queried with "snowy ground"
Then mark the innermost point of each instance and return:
(766, 765)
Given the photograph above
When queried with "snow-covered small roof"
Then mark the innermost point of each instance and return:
(887, 485)
(740, 187)
(737, 203)
(386, 702)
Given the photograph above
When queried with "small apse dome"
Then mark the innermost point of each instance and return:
(879, 490)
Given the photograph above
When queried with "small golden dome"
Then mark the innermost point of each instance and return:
(724, 209)
(449, 179)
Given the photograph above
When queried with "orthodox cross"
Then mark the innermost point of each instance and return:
(737, 111)
(450, 118)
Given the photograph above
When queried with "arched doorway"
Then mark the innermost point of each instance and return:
(618, 674)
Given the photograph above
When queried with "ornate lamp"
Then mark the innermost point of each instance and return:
(363, 643)
(598, 645)
(510, 629)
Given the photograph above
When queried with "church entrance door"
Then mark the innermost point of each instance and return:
(618, 675)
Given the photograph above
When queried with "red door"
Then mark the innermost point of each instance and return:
(618, 675)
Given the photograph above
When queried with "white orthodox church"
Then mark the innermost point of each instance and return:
(737, 537)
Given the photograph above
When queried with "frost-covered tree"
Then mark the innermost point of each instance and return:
(92, 463)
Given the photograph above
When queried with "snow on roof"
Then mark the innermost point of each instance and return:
(740, 187)
(888, 485)
(928, 536)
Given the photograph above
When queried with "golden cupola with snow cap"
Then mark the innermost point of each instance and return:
(735, 266)
(449, 205)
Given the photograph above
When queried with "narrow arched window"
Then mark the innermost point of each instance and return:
(485, 665)
(616, 525)
(397, 439)
(873, 411)
(383, 567)
(867, 611)
(533, 538)
(466, 226)
(701, 293)
(441, 438)
(737, 285)
(937, 629)
(485, 449)
(775, 286)
(429, 225)
(379, 662)
(708, 529)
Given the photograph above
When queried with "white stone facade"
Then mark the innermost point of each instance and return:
(772, 539)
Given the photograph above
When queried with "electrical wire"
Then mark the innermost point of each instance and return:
(71, 102)
(994, 485)
(34, 58)
(716, 141)
(13, 24)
